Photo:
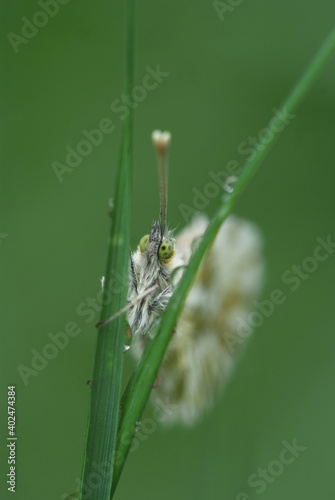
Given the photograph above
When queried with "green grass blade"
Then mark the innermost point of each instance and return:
(107, 373)
(138, 389)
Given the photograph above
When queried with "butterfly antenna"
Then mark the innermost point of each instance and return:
(161, 141)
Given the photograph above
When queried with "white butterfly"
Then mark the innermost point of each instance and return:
(199, 357)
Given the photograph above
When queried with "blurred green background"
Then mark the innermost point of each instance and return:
(225, 78)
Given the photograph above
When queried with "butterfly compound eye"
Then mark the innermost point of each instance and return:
(144, 243)
(165, 250)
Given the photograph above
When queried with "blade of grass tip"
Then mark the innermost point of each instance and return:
(139, 387)
(107, 372)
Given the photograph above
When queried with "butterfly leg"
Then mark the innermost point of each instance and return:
(159, 303)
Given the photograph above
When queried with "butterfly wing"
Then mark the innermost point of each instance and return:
(208, 334)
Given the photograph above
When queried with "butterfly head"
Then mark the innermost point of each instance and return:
(156, 246)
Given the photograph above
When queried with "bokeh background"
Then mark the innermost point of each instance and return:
(225, 78)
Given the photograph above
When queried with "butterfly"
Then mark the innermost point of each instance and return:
(201, 353)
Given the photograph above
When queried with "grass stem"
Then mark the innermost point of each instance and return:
(107, 372)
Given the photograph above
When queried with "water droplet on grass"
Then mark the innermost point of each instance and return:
(229, 185)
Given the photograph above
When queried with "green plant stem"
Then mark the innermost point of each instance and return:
(107, 373)
(139, 387)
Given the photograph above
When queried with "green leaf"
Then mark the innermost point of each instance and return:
(107, 373)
